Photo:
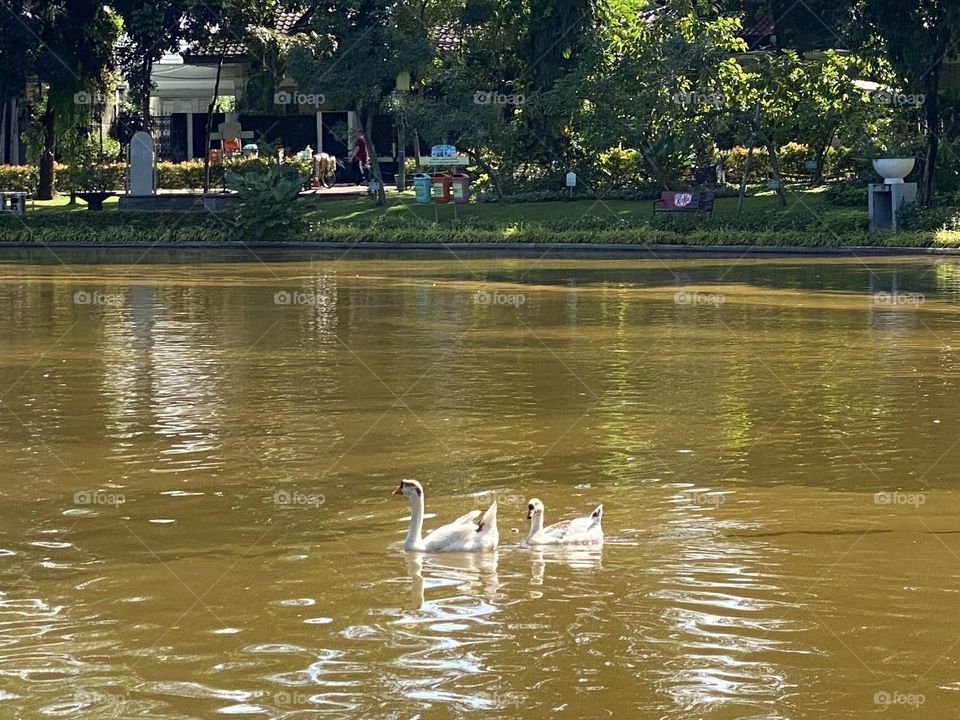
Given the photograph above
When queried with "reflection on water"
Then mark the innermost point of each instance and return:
(194, 490)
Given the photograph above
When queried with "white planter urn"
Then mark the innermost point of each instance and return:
(894, 170)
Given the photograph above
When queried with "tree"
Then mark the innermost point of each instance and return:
(447, 112)
(76, 40)
(918, 36)
(221, 25)
(150, 30)
(353, 55)
(662, 83)
(18, 47)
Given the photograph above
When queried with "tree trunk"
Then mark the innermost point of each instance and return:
(416, 145)
(654, 166)
(821, 159)
(931, 107)
(6, 116)
(743, 180)
(206, 142)
(374, 163)
(45, 187)
(775, 169)
(145, 86)
(493, 175)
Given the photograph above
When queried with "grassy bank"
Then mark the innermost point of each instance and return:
(807, 221)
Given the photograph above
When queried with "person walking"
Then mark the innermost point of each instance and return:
(360, 158)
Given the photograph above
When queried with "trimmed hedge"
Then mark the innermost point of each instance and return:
(139, 228)
(19, 178)
(170, 176)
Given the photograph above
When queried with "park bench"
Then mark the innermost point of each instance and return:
(684, 201)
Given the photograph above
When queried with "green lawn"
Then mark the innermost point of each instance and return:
(803, 204)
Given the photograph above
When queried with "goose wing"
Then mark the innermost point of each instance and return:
(452, 535)
(468, 532)
(472, 516)
(569, 530)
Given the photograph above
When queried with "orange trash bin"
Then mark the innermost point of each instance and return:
(440, 188)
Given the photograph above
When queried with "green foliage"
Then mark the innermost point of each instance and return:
(267, 199)
(919, 218)
(19, 178)
(150, 228)
(150, 29)
(847, 193)
(91, 176)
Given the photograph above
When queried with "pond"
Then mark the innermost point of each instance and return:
(198, 451)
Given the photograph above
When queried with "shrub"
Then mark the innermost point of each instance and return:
(621, 166)
(916, 217)
(186, 175)
(82, 176)
(19, 178)
(847, 193)
(734, 161)
(266, 198)
(172, 227)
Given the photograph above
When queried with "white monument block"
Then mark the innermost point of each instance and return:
(141, 164)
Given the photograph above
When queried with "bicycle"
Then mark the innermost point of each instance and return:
(325, 170)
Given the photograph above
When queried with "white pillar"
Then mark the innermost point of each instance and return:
(319, 131)
(189, 136)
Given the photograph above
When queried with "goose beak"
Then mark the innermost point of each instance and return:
(398, 491)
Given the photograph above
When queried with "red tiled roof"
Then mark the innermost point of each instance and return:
(286, 22)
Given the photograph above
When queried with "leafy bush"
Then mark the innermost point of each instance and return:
(89, 176)
(266, 198)
(948, 166)
(847, 193)
(189, 175)
(916, 217)
(735, 160)
(19, 178)
(186, 175)
(792, 156)
(133, 228)
(621, 166)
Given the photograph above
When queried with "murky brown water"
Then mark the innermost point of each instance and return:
(195, 482)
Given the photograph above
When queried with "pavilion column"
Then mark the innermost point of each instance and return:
(353, 126)
(189, 136)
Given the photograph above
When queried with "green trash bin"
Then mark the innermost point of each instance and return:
(421, 187)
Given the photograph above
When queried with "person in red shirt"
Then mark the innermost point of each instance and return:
(360, 158)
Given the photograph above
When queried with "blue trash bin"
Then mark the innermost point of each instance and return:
(421, 187)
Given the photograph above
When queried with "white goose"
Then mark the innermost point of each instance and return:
(468, 533)
(578, 531)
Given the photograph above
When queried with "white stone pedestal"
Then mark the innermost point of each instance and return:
(883, 202)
